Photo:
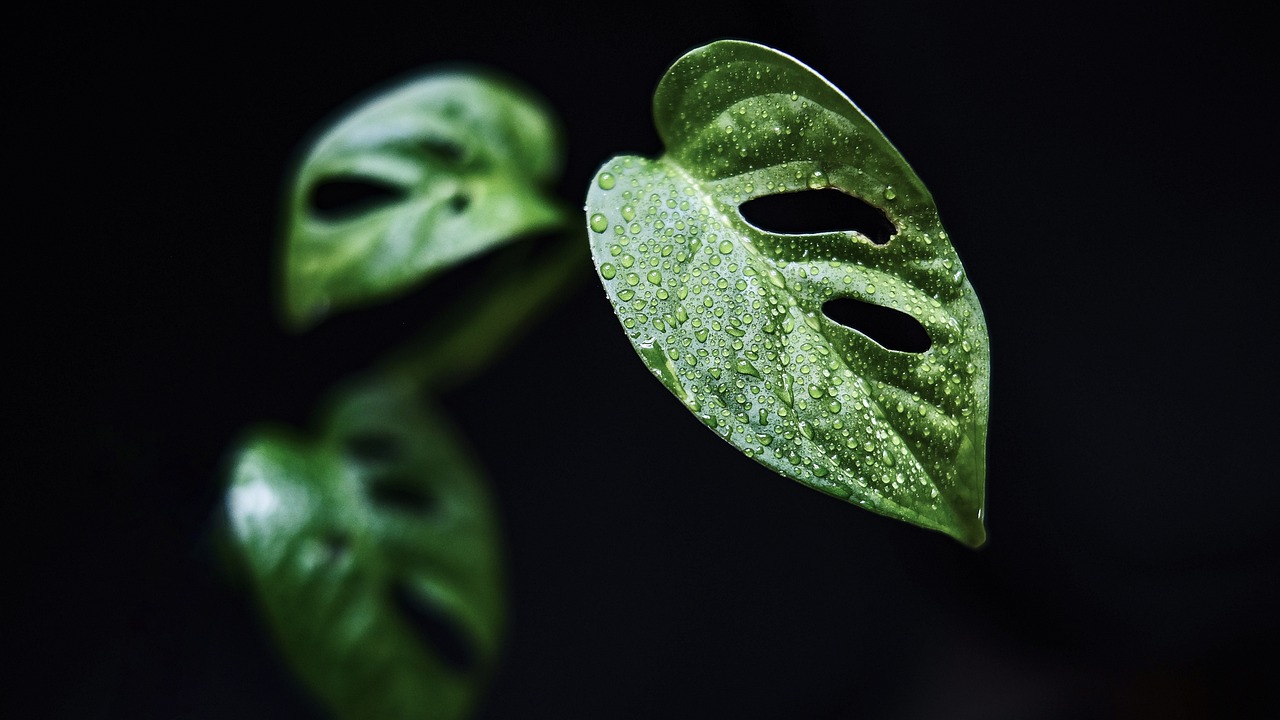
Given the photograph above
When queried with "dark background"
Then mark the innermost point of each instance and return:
(1106, 172)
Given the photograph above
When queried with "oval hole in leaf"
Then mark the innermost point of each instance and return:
(435, 627)
(447, 151)
(340, 198)
(402, 494)
(891, 329)
(817, 211)
(336, 545)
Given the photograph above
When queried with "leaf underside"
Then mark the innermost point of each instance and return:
(374, 554)
(730, 317)
(419, 178)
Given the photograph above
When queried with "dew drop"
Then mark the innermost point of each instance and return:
(605, 181)
(599, 223)
(628, 213)
(608, 271)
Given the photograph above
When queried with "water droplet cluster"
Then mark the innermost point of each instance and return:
(729, 317)
(739, 337)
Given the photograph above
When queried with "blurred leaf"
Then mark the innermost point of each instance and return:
(731, 317)
(418, 178)
(374, 551)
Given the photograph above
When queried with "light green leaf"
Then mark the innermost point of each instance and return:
(730, 317)
(374, 552)
(418, 178)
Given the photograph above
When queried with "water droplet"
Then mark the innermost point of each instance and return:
(871, 289)
(746, 368)
(628, 213)
(815, 392)
(889, 192)
(608, 271)
(654, 277)
(726, 247)
(783, 391)
(625, 295)
(605, 181)
(661, 365)
(632, 279)
(834, 407)
(599, 223)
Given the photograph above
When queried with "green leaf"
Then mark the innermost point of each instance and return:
(418, 178)
(374, 552)
(730, 317)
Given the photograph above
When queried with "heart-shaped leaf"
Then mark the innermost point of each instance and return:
(374, 552)
(421, 177)
(731, 317)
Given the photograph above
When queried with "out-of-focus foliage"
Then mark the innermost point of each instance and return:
(429, 173)
(374, 552)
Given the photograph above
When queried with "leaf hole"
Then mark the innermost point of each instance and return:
(891, 329)
(344, 197)
(436, 628)
(402, 494)
(817, 211)
(444, 150)
(336, 545)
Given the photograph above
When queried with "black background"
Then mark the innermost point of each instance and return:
(1106, 172)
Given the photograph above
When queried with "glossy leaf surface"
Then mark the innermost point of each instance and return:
(432, 172)
(374, 552)
(731, 317)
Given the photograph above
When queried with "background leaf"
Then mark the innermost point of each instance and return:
(735, 320)
(427, 174)
(374, 552)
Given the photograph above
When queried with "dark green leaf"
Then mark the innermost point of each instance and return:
(423, 176)
(374, 552)
(731, 317)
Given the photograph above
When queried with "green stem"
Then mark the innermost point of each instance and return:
(492, 315)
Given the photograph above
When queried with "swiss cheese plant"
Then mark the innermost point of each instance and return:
(372, 545)
(730, 317)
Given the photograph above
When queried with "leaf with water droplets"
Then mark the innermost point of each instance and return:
(374, 553)
(748, 327)
(423, 176)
